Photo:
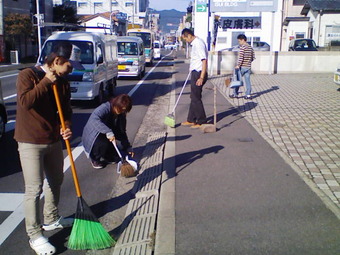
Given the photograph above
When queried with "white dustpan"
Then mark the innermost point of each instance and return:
(131, 162)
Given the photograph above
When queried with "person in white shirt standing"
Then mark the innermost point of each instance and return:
(198, 69)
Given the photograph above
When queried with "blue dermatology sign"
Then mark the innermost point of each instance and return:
(243, 5)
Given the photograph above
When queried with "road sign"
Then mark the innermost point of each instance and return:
(243, 5)
(201, 8)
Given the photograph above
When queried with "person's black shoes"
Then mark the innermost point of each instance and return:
(97, 164)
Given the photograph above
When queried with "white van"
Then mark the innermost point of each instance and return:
(131, 56)
(156, 50)
(98, 55)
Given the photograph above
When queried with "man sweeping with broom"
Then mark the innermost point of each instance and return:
(198, 68)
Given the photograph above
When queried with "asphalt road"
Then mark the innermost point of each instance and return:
(97, 185)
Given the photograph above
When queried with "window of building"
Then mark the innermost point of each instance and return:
(299, 2)
(114, 3)
(127, 4)
(300, 35)
(82, 4)
(98, 4)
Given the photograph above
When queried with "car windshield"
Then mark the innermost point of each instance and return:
(146, 37)
(156, 45)
(86, 48)
(259, 44)
(127, 48)
(305, 44)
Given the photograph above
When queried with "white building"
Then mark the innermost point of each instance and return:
(135, 9)
(279, 22)
(93, 22)
(324, 21)
(258, 22)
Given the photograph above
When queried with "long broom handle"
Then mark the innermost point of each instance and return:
(180, 94)
(119, 154)
(67, 142)
(215, 110)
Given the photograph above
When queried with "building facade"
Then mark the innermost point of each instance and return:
(26, 47)
(275, 22)
(135, 9)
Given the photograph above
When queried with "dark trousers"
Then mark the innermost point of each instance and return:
(196, 110)
(103, 148)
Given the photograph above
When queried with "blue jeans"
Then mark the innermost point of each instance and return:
(245, 72)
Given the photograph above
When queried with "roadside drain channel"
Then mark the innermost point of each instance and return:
(138, 228)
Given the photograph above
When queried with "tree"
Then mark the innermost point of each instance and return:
(64, 14)
(18, 26)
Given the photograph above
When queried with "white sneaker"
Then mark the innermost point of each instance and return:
(41, 246)
(60, 223)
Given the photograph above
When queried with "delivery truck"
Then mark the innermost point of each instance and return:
(98, 56)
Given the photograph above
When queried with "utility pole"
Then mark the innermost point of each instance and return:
(133, 13)
(39, 18)
(111, 27)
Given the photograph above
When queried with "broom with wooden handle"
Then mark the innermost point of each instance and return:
(126, 167)
(87, 232)
(169, 120)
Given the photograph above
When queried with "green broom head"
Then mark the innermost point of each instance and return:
(169, 120)
(87, 232)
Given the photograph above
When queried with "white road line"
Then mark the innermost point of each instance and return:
(9, 97)
(146, 76)
(12, 221)
(10, 201)
(9, 75)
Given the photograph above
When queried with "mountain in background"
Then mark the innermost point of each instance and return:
(169, 20)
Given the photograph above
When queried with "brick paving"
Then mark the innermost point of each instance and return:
(300, 113)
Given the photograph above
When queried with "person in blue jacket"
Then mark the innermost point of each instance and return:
(107, 124)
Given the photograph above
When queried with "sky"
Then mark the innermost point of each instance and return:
(180, 5)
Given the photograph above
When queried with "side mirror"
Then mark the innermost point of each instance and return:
(100, 60)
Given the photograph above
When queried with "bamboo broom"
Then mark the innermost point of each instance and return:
(87, 232)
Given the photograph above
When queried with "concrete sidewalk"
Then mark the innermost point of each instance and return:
(250, 188)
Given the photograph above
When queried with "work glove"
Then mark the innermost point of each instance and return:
(110, 136)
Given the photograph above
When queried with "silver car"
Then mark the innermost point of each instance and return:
(257, 46)
(3, 114)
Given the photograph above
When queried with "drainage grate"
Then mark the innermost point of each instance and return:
(139, 230)
(140, 220)
(149, 183)
(144, 205)
(139, 249)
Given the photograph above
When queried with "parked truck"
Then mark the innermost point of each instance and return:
(98, 55)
